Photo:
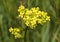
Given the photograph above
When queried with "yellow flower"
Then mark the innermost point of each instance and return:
(40, 21)
(15, 32)
(48, 18)
(12, 32)
(33, 16)
(28, 12)
(35, 9)
(11, 29)
(21, 14)
(21, 8)
(27, 23)
(18, 36)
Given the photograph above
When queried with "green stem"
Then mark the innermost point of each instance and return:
(29, 3)
(37, 2)
(25, 39)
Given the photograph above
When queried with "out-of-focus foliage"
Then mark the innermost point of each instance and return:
(49, 32)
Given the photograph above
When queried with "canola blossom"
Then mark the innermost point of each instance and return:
(33, 16)
(15, 32)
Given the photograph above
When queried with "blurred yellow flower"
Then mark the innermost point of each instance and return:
(18, 36)
(11, 29)
(15, 32)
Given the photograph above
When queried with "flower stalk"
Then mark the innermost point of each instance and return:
(25, 39)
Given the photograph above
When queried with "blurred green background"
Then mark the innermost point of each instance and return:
(49, 32)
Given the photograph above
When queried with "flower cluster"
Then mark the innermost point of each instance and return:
(15, 32)
(33, 16)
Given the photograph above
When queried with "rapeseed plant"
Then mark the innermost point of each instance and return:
(31, 17)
